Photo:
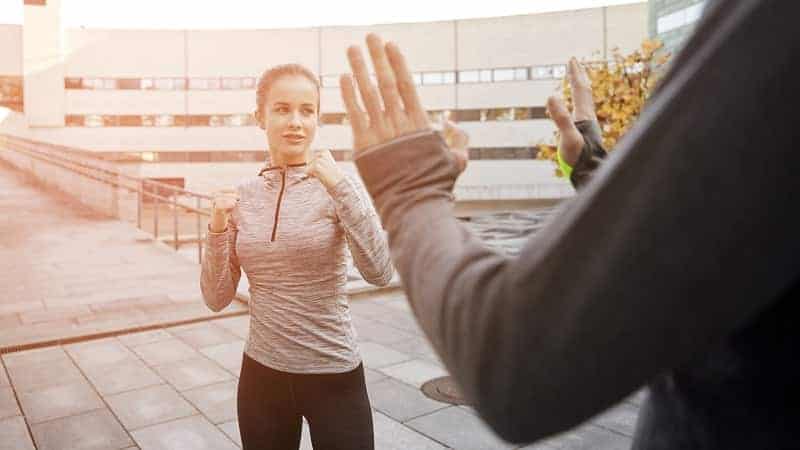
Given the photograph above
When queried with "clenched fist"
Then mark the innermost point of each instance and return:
(323, 167)
(222, 203)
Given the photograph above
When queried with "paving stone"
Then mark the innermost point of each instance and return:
(15, 434)
(99, 353)
(149, 406)
(371, 331)
(3, 376)
(376, 355)
(459, 429)
(238, 325)
(27, 375)
(391, 435)
(59, 401)
(8, 403)
(415, 372)
(164, 352)
(373, 376)
(588, 437)
(125, 376)
(35, 356)
(227, 355)
(204, 335)
(217, 401)
(231, 429)
(194, 433)
(400, 401)
(621, 418)
(144, 337)
(96, 430)
(192, 373)
(418, 347)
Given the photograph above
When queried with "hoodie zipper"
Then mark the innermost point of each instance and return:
(280, 195)
(278, 206)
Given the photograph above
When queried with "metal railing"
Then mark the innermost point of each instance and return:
(59, 166)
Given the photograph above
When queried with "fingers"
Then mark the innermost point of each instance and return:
(358, 121)
(369, 94)
(405, 85)
(581, 91)
(571, 139)
(387, 83)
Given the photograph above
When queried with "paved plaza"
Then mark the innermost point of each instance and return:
(107, 345)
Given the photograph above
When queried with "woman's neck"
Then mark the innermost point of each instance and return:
(277, 159)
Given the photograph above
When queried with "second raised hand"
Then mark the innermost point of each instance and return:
(403, 112)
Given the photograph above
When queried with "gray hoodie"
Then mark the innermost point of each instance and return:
(290, 235)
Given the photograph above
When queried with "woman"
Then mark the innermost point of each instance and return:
(288, 229)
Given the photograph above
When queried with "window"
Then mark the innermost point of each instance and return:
(198, 120)
(180, 84)
(73, 120)
(542, 72)
(92, 83)
(129, 83)
(235, 120)
(503, 75)
(521, 73)
(109, 83)
(559, 71)
(500, 114)
(164, 84)
(130, 121)
(148, 121)
(93, 120)
(468, 76)
(164, 120)
(216, 121)
(417, 78)
(467, 115)
(72, 83)
(432, 78)
(248, 83)
(198, 83)
(231, 83)
(213, 83)
(146, 83)
(333, 118)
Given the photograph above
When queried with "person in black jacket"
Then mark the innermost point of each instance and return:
(676, 266)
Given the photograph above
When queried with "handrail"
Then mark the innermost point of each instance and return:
(88, 166)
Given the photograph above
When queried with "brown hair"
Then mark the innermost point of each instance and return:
(272, 74)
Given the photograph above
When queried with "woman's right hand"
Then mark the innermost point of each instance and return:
(222, 203)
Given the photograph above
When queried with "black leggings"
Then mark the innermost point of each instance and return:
(271, 404)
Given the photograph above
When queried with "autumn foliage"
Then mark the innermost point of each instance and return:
(620, 89)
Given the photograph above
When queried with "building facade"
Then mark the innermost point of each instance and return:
(187, 96)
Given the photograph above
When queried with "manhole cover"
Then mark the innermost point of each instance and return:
(444, 389)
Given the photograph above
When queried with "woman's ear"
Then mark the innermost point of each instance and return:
(259, 119)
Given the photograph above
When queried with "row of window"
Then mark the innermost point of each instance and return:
(258, 156)
(237, 83)
(245, 120)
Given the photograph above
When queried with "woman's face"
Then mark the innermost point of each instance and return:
(290, 117)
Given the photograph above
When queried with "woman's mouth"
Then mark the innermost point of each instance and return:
(294, 138)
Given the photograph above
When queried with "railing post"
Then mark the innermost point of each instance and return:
(175, 219)
(155, 212)
(199, 235)
(139, 205)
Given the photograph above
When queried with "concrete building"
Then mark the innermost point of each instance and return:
(179, 102)
(672, 21)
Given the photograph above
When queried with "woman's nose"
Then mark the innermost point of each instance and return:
(294, 120)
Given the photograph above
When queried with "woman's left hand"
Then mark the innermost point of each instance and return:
(324, 168)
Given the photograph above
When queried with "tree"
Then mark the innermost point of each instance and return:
(620, 89)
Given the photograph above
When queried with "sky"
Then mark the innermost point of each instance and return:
(261, 14)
